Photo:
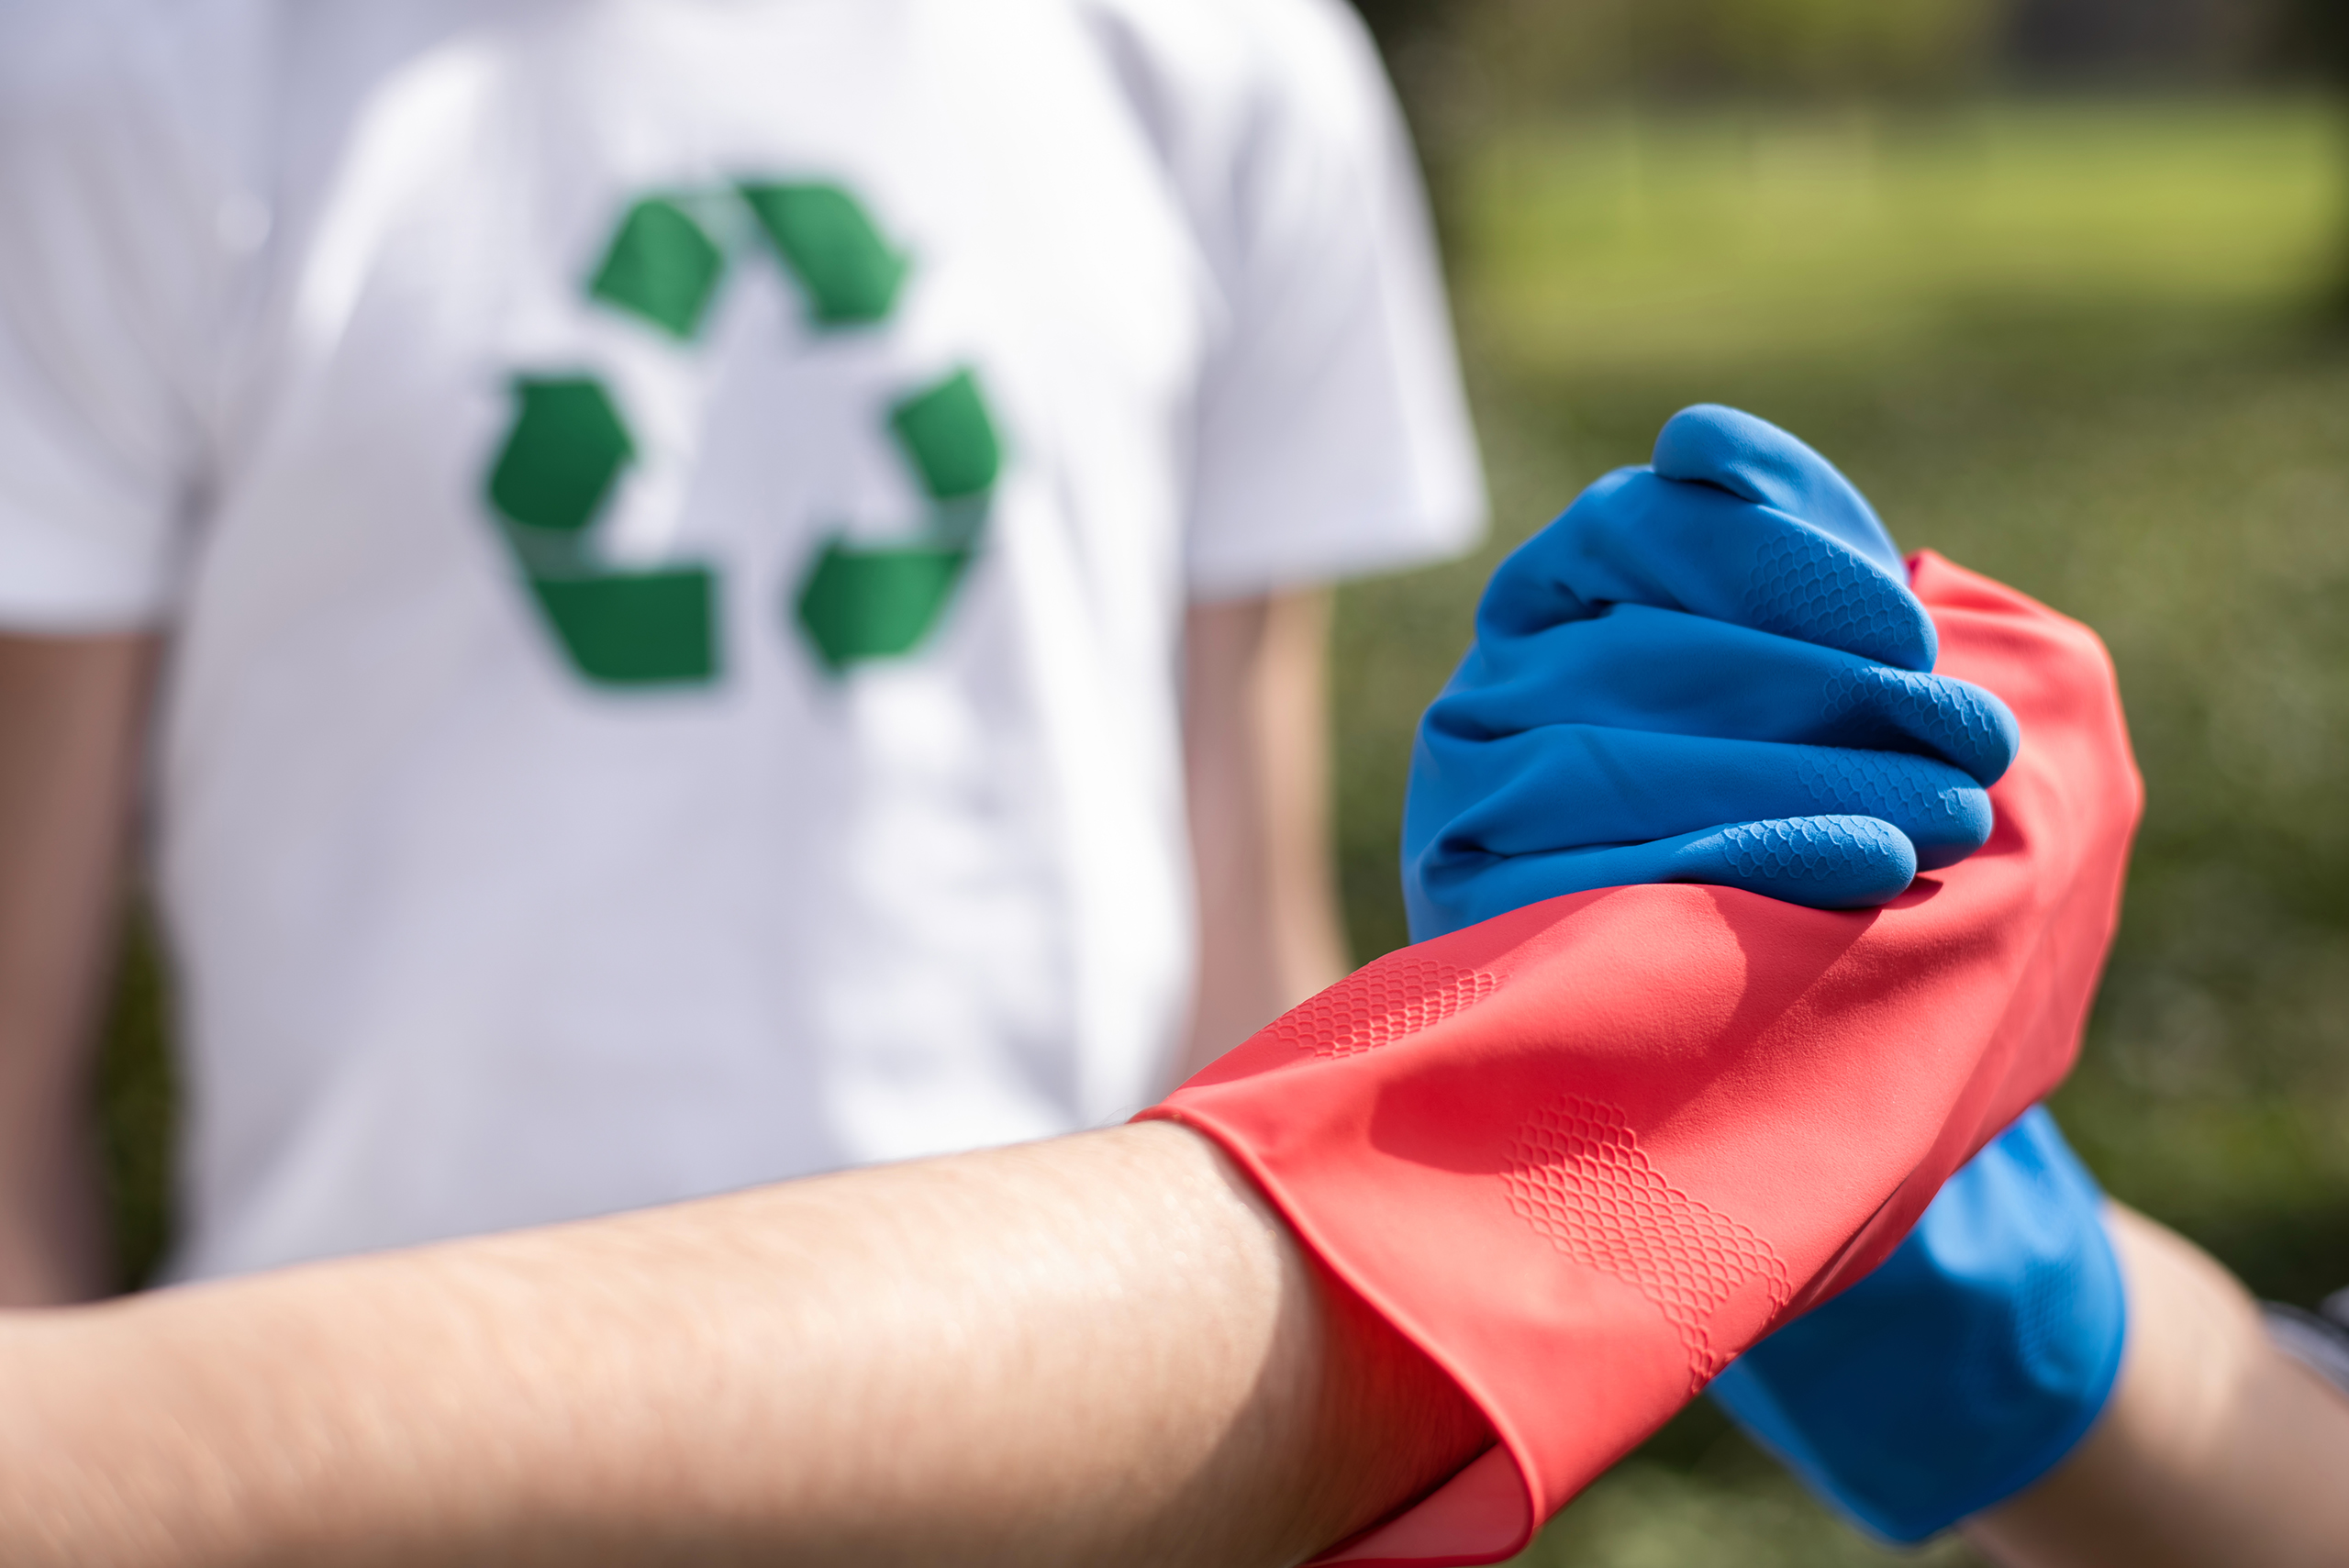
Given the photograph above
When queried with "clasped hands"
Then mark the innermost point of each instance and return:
(1710, 670)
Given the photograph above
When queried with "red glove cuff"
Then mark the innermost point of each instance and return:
(1586, 1153)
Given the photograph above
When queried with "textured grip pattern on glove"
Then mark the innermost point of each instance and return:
(2038, 1330)
(1946, 818)
(1381, 1002)
(1577, 1174)
(1877, 706)
(1808, 586)
(1825, 851)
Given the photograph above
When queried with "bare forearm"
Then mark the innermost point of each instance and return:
(2215, 1448)
(1256, 766)
(1098, 1350)
(72, 711)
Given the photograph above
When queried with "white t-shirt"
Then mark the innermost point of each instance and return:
(674, 518)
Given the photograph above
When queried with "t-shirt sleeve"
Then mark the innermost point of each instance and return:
(1333, 437)
(102, 267)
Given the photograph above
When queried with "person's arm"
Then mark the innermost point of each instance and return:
(72, 715)
(1256, 766)
(1103, 1349)
(2216, 1448)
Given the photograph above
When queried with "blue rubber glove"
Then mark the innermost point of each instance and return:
(1710, 670)
(1967, 1365)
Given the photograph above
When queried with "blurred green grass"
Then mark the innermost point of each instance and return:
(1705, 240)
(2077, 345)
(2083, 347)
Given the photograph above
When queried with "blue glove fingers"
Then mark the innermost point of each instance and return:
(1878, 708)
(1637, 668)
(1968, 1364)
(1823, 863)
(1567, 786)
(1726, 639)
(1713, 445)
(1635, 538)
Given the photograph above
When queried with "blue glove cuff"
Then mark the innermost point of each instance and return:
(1967, 1365)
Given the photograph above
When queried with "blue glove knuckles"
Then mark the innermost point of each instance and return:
(1691, 539)
(1634, 667)
(1683, 680)
(1490, 856)
(1967, 1365)
(1823, 863)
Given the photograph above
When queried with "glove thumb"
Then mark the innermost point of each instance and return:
(1756, 460)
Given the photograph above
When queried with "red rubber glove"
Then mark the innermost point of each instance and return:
(1585, 1153)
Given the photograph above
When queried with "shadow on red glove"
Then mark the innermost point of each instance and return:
(1585, 1153)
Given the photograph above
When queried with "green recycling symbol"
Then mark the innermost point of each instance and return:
(568, 444)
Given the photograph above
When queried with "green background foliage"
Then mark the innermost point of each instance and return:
(1534, 52)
